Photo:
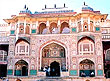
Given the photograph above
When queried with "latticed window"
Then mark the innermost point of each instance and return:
(3, 55)
(86, 46)
(108, 54)
(22, 48)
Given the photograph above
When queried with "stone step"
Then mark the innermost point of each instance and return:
(51, 79)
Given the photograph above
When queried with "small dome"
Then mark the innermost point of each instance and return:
(86, 7)
(25, 10)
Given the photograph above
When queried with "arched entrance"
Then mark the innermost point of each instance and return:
(87, 68)
(54, 69)
(21, 68)
(51, 53)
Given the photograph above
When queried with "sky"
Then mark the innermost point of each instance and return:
(13, 7)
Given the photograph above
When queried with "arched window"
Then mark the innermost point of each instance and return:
(22, 48)
(65, 28)
(85, 46)
(107, 54)
(85, 26)
(21, 28)
(27, 29)
(42, 28)
(53, 28)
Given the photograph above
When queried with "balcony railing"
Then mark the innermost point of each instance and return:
(3, 55)
(4, 39)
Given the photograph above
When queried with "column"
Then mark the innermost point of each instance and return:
(82, 24)
(37, 31)
(30, 28)
(88, 23)
(58, 26)
(70, 26)
(17, 31)
(47, 26)
(94, 25)
(76, 24)
(24, 26)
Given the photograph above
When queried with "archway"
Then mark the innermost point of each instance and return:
(54, 69)
(21, 68)
(64, 28)
(53, 52)
(42, 28)
(53, 28)
(87, 68)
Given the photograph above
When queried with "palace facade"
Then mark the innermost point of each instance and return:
(68, 43)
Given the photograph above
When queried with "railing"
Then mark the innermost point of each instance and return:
(3, 55)
(4, 39)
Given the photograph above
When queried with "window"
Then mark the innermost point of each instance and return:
(3, 55)
(22, 48)
(108, 54)
(86, 46)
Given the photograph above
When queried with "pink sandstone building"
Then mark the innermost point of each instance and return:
(56, 42)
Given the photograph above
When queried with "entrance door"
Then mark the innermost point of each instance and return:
(24, 71)
(54, 69)
(3, 70)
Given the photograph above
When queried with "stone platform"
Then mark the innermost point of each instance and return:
(58, 79)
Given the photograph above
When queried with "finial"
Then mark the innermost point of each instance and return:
(25, 6)
(45, 6)
(64, 4)
(84, 3)
(54, 5)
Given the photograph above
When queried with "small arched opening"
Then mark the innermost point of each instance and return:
(53, 28)
(64, 28)
(21, 68)
(42, 28)
(87, 68)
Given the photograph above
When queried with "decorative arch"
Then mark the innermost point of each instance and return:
(86, 46)
(21, 68)
(22, 47)
(42, 28)
(48, 43)
(87, 68)
(53, 28)
(64, 28)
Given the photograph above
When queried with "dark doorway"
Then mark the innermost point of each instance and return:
(54, 69)
(3, 70)
(24, 71)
